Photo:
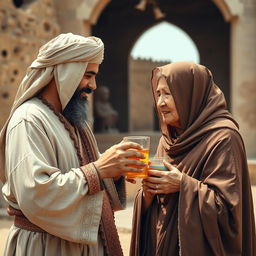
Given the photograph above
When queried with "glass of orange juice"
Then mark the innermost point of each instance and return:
(144, 141)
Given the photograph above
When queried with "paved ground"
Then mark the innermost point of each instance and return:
(123, 222)
(4, 227)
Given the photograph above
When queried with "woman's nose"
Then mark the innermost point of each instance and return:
(160, 101)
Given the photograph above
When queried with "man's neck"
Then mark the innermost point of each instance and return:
(50, 94)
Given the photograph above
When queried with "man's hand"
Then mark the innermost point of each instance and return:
(114, 162)
(133, 181)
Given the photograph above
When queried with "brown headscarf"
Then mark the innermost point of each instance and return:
(213, 212)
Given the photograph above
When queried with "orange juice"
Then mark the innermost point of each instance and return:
(144, 173)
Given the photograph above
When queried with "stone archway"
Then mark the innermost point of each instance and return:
(131, 24)
(242, 17)
(82, 14)
(229, 9)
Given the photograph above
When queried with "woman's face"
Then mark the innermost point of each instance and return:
(166, 105)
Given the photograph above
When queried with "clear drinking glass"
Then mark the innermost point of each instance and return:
(144, 141)
(156, 163)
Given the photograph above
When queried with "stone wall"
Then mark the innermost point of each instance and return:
(22, 31)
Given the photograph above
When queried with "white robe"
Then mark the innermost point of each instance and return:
(40, 159)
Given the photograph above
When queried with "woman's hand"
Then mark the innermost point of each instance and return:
(114, 162)
(163, 182)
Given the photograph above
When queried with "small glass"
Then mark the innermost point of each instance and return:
(144, 141)
(156, 163)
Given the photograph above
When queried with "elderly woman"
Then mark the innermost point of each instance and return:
(202, 205)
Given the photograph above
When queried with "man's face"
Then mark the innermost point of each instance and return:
(76, 109)
(88, 80)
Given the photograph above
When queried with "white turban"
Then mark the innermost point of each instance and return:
(65, 58)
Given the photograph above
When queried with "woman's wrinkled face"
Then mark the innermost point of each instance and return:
(166, 105)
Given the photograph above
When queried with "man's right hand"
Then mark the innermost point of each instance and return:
(114, 161)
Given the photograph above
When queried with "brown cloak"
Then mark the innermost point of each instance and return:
(213, 212)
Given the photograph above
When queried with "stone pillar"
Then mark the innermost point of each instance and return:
(243, 74)
(67, 15)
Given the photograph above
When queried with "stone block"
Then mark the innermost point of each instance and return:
(252, 171)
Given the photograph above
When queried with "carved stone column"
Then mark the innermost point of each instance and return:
(243, 101)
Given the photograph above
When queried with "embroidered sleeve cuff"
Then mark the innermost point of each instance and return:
(94, 180)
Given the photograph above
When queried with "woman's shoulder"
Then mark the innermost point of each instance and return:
(225, 133)
(226, 136)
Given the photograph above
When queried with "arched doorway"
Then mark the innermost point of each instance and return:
(120, 25)
(159, 45)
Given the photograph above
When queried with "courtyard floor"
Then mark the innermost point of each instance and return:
(123, 222)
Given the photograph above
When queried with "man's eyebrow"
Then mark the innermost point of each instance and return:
(91, 72)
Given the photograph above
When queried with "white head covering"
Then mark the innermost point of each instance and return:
(65, 58)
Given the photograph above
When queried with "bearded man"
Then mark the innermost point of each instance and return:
(60, 192)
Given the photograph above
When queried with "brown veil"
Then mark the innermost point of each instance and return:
(200, 103)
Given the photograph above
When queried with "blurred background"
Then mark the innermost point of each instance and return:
(138, 36)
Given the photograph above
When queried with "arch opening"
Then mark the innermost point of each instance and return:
(165, 42)
(161, 44)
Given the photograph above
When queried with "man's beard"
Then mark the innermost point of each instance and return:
(77, 108)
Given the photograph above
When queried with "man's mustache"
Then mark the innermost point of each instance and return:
(85, 90)
(78, 93)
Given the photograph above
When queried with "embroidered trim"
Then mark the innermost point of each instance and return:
(102, 186)
(108, 229)
(92, 178)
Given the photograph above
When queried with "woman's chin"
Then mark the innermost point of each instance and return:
(171, 123)
(168, 121)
